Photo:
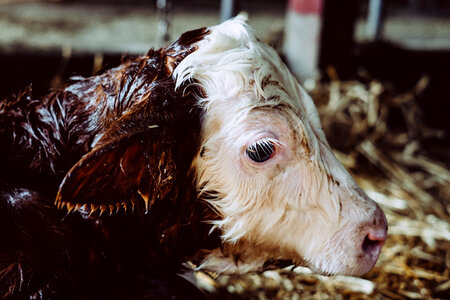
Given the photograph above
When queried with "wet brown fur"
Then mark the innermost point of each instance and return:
(138, 172)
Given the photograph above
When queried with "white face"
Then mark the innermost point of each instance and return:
(267, 169)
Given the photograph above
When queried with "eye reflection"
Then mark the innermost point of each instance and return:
(260, 151)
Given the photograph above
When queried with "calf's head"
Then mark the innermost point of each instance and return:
(266, 167)
(262, 161)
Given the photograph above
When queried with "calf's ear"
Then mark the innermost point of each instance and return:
(142, 157)
(117, 174)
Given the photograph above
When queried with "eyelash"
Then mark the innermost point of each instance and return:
(262, 150)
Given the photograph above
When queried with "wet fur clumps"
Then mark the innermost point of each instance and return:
(115, 150)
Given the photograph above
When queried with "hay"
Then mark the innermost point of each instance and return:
(380, 137)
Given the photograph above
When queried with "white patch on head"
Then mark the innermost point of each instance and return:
(299, 204)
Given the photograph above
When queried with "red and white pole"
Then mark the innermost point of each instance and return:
(302, 37)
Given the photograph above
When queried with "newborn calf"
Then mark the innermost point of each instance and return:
(266, 168)
(207, 150)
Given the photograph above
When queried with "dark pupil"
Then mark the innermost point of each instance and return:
(260, 151)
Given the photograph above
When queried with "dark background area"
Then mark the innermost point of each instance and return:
(382, 59)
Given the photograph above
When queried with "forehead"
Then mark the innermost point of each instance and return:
(239, 76)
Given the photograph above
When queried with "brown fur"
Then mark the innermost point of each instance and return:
(138, 169)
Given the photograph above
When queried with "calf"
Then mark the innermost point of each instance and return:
(207, 150)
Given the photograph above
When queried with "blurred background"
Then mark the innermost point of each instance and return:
(378, 70)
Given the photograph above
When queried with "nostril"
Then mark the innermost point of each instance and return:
(376, 234)
(373, 242)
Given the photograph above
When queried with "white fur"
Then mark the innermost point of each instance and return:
(289, 206)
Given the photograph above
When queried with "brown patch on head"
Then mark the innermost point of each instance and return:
(303, 142)
(333, 180)
(271, 107)
(274, 98)
(202, 151)
(275, 171)
(267, 81)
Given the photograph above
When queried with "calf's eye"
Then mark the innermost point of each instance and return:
(260, 151)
